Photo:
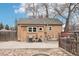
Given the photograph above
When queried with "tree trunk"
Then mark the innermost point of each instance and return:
(33, 10)
(46, 6)
(66, 29)
(46, 11)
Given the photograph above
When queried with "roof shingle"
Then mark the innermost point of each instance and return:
(39, 21)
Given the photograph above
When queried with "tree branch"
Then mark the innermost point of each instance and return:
(59, 13)
(74, 7)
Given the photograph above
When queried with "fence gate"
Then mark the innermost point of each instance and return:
(8, 35)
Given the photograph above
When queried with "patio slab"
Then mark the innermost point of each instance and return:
(15, 44)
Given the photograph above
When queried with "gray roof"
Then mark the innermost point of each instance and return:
(39, 21)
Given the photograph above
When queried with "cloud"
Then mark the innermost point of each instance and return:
(21, 9)
(29, 13)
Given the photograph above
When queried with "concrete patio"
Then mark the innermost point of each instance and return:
(15, 44)
(14, 48)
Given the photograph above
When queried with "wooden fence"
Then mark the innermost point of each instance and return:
(8, 35)
(70, 44)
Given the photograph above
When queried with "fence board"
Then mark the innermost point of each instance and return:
(8, 35)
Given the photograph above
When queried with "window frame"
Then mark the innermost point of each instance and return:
(49, 28)
(32, 29)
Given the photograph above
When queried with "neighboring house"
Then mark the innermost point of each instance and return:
(44, 28)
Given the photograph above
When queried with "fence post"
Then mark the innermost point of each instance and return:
(59, 40)
(77, 43)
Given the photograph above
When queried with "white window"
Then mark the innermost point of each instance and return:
(34, 29)
(31, 29)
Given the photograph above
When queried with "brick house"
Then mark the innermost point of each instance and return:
(44, 28)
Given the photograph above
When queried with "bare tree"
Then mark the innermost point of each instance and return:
(29, 9)
(67, 11)
(46, 9)
(37, 9)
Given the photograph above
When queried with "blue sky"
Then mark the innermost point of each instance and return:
(8, 15)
